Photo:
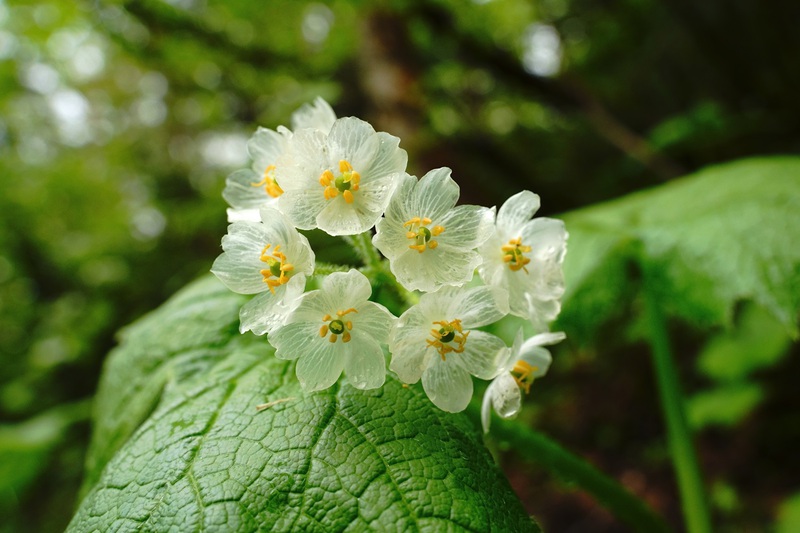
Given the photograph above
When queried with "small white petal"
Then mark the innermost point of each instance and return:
(518, 209)
(355, 141)
(538, 358)
(318, 115)
(373, 320)
(388, 159)
(448, 385)
(302, 206)
(264, 148)
(293, 341)
(267, 311)
(243, 215)
(243, 192)
(506, 396)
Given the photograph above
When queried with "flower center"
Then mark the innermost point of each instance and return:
(337, 326)
(448, 337)
(276, 273)
(346, 183)
(271, 186)
(418, 230)
(513, 254)
(523, 375)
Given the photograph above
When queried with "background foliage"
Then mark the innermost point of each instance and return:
(119, 121)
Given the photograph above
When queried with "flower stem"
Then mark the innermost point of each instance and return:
(538, 448)
(362, 244)
(690, 484)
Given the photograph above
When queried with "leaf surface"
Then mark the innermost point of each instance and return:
(179, 444)
(725, 234)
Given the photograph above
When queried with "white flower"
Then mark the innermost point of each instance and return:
(525, 257)
(270, 258)
(429, 242)
(336, 328)
(435, 340)
(524, 363)
(248, 190)
(339, 182)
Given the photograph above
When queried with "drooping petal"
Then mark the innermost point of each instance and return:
(506, 396)
(547, 238)
(364, 363)
(482, 356)
(538, 358)
(447, 385)
(518, 210)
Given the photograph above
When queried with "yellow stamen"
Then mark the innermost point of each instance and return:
(419, 232)
(448, 338)
(271, 187)
(336, 326)
(523, 374)
(513, 254)
(275, 274)
(346, 183)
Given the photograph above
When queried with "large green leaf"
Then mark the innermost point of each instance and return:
(725, 234)
(179, 444)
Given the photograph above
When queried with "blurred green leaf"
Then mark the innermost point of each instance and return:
(789, 515)
(179, 442)
(723, 406)
(757, 341)
(725, 234)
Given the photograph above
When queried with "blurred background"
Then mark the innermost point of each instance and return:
(119, 121)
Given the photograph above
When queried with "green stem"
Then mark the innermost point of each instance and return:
(362, 244)
(539, 449)
(690, 483)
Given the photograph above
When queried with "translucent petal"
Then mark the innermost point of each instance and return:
(400, 207)
(302, 206)
(434, 195)
(478, 306)
(483, 354)
(301, 165)
(410, 352)
(466, 226)
(261, 314)
(239, 267)
(486, 409)
(388, 159)
(374, 196)
(518, 210)
(431, 269)
(448, 385)
(318, 115)
(337, 217)
(539, 358)
(295, 340)
(544, 339)
(355, 141)
(364, 363)
(542, 312)
(264, 148)
(242, 192)
(506, 396)
(347, 289)
(390, 238)
(320, 364)
(374, 320)
(547, 237)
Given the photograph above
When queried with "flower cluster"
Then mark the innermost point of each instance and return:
(340, 176)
